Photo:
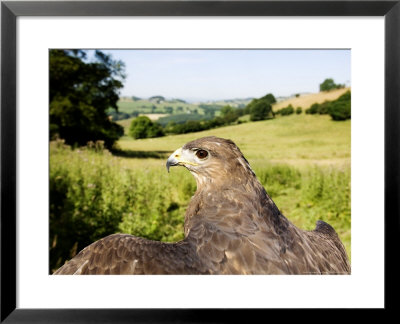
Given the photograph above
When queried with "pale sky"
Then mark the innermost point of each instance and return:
(227, 74)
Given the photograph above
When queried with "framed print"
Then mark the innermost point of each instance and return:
(367, 32)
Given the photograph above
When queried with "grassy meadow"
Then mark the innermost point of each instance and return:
(146, 106)
(303, 161)
(295, 140)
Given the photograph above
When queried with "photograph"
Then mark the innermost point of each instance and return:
(199, 161)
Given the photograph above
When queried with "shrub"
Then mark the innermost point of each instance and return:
(323, 108)
(287, 110)
(188, 127)
(340, 109)
(143, 127)
(93, 194)
(314, 109)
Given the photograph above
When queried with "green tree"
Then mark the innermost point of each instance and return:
(81, 93)
(226, 110)
(314, 109)
(229, 114)
(260, 109)
(287, 110)
(168, 110)
(143, 127)
(329, 84)
(340, 109)
(323, 108)
(270, 98)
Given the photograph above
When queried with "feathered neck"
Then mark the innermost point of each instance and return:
(225, 188)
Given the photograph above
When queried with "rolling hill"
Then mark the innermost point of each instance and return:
(305, 101)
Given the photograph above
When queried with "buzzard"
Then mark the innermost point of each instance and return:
(231, 226)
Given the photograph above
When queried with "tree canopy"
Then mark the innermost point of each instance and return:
(261, 108)
(143, 127)
(329, 84)
(81, 92)
(339, 109)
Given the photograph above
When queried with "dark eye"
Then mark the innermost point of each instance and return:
(201, 154)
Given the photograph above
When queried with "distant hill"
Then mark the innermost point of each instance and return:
(157, 99)
(236, 103)
(306, 100)
(178, 100)
(129, 107)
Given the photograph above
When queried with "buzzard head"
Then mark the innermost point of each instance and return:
(212, 160)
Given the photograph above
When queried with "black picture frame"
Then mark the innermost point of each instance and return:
(10, 10)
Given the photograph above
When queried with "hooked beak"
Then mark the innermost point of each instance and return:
(174, 158)
(180, 157)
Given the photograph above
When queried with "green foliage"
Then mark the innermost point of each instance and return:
(314, 109)
(189, 127)
(189, 123)
(230, 114)
(286, 111)
(81, 93)
(93, 194)
(277, 178)
(299, 110)
(329, 84)
(323, 108)
(226, 110)
(168, 110)
(261, 109)
(326, 193)
(157, 98)
(210, 107)
(84, 199)
(269, 98)
(181, 119)
(155, 105)
(339, 109)
(143, 127)
(117, 115)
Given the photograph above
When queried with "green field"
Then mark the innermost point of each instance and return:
(303, 161)
(146, 106)
(296, 140)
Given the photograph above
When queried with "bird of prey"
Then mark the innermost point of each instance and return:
(231, 227)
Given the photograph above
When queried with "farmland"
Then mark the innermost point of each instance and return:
(294, 140)
(306, 100)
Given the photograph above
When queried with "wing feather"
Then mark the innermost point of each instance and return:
(127, 254)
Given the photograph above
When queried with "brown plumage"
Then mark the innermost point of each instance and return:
(231, 227)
